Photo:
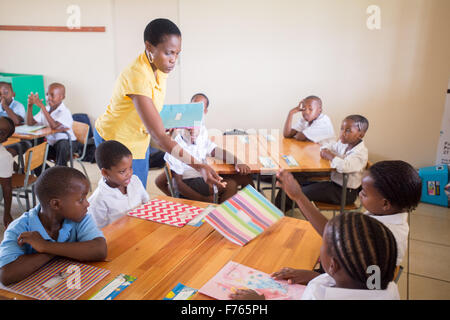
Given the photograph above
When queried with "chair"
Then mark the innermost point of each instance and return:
(173, 187)
(397, 273)
(81, 132)
(24, 182)
(342, 207)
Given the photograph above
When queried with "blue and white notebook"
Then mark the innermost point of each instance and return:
(187, 115)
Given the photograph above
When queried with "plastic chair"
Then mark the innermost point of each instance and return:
(24, 182)
(81, 132)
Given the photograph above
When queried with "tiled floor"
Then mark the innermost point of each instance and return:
(428, 275)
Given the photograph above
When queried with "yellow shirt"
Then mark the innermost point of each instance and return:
(121, 121)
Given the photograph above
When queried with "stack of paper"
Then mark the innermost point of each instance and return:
(188, 115)
(244, 216)
(24, 129)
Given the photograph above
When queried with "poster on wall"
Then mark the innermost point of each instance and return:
(443, 152)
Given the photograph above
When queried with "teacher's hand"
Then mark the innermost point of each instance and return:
(209, 175)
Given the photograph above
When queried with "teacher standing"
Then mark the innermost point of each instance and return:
(138, 97)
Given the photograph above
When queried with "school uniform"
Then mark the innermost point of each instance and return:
(323, 287)
(70, 231)
(59, 146)
(319, 131)
(398, 224)
(108, 204)
(16, 107)
(202, 147)
(7, 163)
(121, 121)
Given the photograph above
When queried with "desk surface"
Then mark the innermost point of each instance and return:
(160, 255)
(37, 134)
(10, 141)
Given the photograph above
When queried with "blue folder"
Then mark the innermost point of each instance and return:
(187, 115)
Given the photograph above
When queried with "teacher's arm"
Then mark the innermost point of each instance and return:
(154, 125)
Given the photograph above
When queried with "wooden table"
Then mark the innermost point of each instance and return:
(160, 255)
(10, 141)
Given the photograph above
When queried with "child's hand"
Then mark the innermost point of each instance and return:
(294, 276)
(246, 294)
(242, 168)
(327, 154)
(38, 101)
(288, 183)
(34, 239)
(30, 99)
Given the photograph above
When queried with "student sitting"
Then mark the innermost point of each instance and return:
(118, 190)
(189, 182)
(352, 244)
(390, 190)
(56, 116)
(312, 126)
(347, 155)
(6, 168)
(58, 226)
(8, 106)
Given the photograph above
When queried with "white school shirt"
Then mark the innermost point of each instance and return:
(398, 224)
(352, 162)
(323, 287)
(6, 163)
(108, 204)
(202, 147)
(16, 107)
(321, 129)
(62, 115)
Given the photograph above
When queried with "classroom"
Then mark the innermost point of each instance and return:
(379, 69)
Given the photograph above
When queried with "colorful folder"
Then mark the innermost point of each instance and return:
(168, 212)
(244, 216)
(235, 276)
(59, 279)
(188, 115)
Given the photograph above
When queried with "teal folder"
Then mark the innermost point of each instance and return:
(187, 115)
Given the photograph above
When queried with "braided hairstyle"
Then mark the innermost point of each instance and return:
(398, 182)
(358, 241)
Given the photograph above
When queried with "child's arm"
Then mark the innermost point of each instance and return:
(30, 118)
(288, 132)
(6, 185)
(51, 122)
(225, 156)
(188, 192)
(11, 114)
(287, 181)
(91, 250)
(22, 267)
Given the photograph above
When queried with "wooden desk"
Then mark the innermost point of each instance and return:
(10, 141)
(288, 243)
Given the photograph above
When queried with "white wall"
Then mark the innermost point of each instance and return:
(256, 59)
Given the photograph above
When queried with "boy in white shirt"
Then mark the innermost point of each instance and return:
(347, 155)
(354, 245)
(118, 190)
(6, 167)
(313, 125)
(55, 116)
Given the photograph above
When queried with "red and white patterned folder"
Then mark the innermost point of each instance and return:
(59, 279)
(168, 212)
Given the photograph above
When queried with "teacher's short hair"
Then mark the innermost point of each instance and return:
(158, 28)
(109, 153)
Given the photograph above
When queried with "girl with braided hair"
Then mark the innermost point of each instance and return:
(358, 254)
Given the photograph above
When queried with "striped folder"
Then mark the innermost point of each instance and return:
(244, 216)
(59, 279)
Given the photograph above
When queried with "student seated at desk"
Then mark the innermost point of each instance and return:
(119, 190)
(8, 106)
(390, 190)
(347, 155)
(58, 226)
(352, 244)
(6, 168)
(55, 116)
(189, 182)
(313, 125)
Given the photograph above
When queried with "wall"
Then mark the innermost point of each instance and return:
(256, 59)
